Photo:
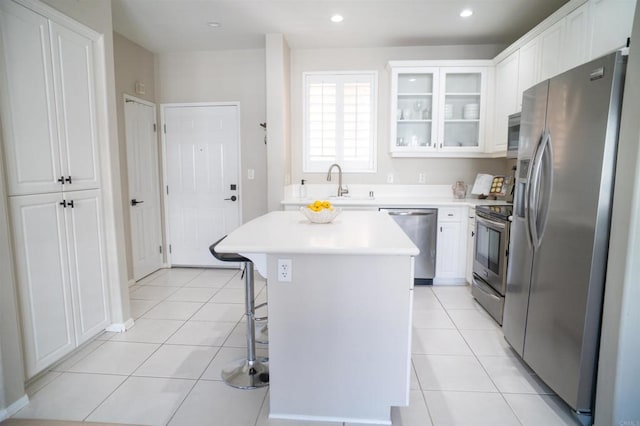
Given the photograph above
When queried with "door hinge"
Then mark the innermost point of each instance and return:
(169, 248)
(154, 128)
(160, 247)
(164, 127)
(167, 189)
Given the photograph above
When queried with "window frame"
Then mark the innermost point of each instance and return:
(341, 77)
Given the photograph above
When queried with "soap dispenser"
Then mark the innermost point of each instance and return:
(303, 190)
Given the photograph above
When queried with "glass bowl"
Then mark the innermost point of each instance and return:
(322, 216)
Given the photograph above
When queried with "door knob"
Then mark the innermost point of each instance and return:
(233, 198)
(135, 202)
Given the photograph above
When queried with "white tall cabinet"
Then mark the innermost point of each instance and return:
(50, 150)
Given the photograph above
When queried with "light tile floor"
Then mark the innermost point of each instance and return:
(189, 324)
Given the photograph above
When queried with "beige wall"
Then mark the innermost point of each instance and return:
(405, 170)
(225, 76)
(132, 63)
(278, 103)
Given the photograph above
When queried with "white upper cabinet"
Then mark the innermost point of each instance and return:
(75, 99)
(611, 23)
(437, 110)
(507, 101)
(47, 96)
(528, 68)
(462, 105)
(551, 50)
(413, 108)
(577, 37)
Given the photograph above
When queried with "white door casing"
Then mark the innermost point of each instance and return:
(144, 186)
(202, 152)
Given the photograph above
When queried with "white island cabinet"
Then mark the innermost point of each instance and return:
(340, 329)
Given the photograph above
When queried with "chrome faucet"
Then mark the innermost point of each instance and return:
(341, 191)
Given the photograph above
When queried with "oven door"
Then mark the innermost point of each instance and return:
(490, 257)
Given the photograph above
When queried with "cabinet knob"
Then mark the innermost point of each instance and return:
(61, 180)
(68, 180)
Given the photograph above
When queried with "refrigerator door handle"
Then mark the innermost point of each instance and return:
(534, 194)
(529, 202)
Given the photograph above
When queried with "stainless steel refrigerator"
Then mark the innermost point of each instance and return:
(560, 230)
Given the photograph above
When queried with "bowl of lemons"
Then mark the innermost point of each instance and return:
(320, 211)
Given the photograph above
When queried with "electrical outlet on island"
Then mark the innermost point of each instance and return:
(284, 270)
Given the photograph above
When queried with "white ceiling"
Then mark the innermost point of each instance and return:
(180, 25)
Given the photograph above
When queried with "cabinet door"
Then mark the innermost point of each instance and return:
(611, 22)
(75, 98)
(471, 247)
(43, 279)
(551, 59)
(529, 68)
(85, 242)
(449, 255)
(413, 109)
(506, 99)
(462, 107)
(577, 37)
(27, 102)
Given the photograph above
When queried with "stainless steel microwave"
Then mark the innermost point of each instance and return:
(513, 140)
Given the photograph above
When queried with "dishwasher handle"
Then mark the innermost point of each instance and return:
(408, 213)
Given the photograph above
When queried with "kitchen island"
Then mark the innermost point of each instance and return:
(339, 318)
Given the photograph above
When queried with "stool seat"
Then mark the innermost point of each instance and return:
(226, 257)
(249, 372)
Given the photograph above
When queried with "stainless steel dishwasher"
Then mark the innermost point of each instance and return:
(421, 225)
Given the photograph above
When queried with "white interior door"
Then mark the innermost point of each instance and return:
(144, 187)
(202, 147)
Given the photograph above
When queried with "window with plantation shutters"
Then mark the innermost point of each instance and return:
(340, 121)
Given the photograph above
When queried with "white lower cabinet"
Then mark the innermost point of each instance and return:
(61, 273)
(451, 262)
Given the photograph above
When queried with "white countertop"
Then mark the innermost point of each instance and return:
(352, 232)
(406, 201)
(398, 196)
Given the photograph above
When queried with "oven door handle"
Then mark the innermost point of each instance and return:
(491, 223)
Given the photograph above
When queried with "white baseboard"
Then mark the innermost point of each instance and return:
(450, 281)
(120, 327)
(14, 408)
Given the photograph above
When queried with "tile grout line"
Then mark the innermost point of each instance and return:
(484, 369)
(129, 376)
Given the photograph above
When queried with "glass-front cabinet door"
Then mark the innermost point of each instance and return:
(413, 109)
(438, 110)
(462, 106)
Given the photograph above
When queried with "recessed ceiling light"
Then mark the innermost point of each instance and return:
(214, 24)
(412, 80)
(466, 13)
(337, 18)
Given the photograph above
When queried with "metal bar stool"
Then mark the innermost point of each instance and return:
(252, 372)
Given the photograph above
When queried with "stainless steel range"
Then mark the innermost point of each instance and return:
(490, 258)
